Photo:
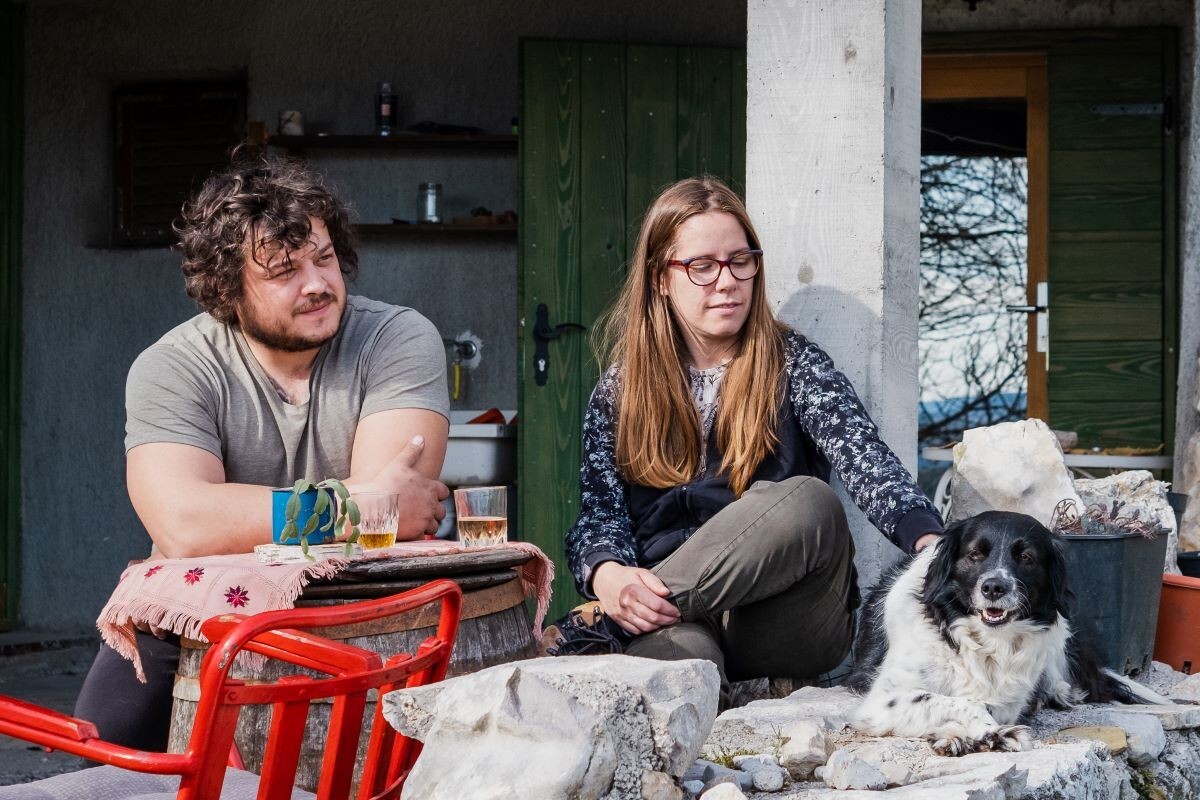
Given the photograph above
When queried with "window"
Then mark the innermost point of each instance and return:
(169, 136)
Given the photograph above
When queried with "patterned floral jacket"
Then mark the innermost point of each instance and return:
(823, 424)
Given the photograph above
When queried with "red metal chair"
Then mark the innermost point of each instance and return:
(351, 673)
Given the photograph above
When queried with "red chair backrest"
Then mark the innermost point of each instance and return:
(352, 673)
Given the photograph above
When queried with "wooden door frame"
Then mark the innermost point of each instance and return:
(1016, 76)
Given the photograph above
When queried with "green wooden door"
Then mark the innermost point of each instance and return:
(1113, 303)
(604, 127)
(10, 313)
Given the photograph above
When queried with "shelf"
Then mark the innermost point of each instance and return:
(392, 229)
(401, 141)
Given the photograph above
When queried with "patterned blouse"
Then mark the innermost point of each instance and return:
(827, 408)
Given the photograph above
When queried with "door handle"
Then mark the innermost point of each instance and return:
(543, 334)
(1042, 323)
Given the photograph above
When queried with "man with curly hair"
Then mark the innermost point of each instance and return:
(282, 376)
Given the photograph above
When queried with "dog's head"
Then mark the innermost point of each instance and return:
(1000, 567)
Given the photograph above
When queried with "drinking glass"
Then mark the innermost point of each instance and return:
(482, 515)
(380, 517)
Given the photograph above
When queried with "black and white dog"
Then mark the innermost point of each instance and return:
(966, 640)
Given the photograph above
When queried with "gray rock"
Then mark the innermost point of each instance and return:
(1143, 734)
(755, 762)
(694, 787)
(712, 771)
(847, 771)
(724, 791)
(769, 779)
(1012, 466)
(600, 720)
(805, 747)
(697, 770)
(1140, 494)
(659, 786)
(712, 783)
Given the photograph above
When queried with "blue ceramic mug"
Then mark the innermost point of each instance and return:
(308, 500)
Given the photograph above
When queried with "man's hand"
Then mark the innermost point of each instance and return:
(634, 597)
(420, 498)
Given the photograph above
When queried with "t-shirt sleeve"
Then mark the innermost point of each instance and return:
(406, 367)
(168, 398)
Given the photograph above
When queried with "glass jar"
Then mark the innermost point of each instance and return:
(429, 199)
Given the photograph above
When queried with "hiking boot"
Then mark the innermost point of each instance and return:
(588, 631)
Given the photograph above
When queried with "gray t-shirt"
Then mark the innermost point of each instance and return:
(200, 385)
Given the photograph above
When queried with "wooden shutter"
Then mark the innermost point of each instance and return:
(169, 137)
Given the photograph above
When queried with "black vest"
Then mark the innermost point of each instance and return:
(663, 519)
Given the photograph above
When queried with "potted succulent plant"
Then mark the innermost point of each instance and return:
(317, 504)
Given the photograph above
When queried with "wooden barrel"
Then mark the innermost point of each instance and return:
(495, 629)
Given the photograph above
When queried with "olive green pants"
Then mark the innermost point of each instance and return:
(766, 588)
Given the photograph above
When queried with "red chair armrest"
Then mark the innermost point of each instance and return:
(19, 714)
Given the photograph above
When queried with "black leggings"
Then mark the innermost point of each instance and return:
(125, 710)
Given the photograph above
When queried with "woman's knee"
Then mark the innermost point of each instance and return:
(806, 506)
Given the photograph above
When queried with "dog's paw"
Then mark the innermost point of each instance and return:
(953, 746)
(1006, 738)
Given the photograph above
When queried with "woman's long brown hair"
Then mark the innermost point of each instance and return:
(658, 429)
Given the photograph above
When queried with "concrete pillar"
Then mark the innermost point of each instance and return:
(832, 183)
(1187, 408)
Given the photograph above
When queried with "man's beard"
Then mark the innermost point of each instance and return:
(282, 340)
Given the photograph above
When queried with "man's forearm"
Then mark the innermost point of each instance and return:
(208, 519)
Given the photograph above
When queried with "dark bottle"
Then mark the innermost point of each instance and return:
(385, 110)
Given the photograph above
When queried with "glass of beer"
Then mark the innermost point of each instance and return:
(380, 517)
(482, 515)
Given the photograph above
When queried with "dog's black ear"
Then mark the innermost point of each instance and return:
(1061, 596)
(941, 592)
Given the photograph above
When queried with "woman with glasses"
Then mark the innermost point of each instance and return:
(707, 528)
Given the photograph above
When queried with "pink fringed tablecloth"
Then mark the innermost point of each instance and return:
(178, 594)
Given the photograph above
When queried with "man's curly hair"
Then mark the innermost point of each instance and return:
(251, 208)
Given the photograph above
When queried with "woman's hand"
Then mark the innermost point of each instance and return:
(634, 597)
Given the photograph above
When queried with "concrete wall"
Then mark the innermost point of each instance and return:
(89, 311)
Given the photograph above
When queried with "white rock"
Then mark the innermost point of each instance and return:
(1012, 466)
(659, 786)
(759, 726)
(769, 779)
(600, 720)
(805, 748)
(1140, 494)
(896, 758)
(1187, 689)
(1189, 533)
(847, 771)
(724, 791)
(755, 762)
